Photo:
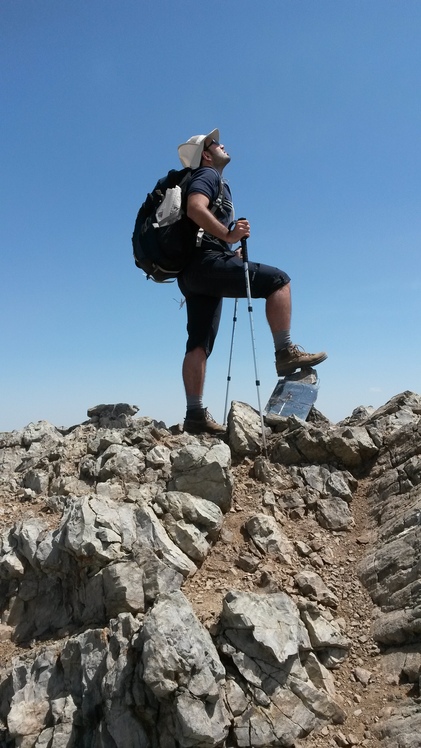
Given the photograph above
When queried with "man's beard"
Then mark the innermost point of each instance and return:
(221, 159)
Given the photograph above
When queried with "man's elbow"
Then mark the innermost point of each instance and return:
(190, 212)
(194, 214)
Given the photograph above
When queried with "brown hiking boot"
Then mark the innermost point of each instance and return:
(199, 421)
(294, 357)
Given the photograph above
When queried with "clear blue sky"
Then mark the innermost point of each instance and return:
(318, 103)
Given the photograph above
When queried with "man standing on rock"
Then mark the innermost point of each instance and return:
(216, 272)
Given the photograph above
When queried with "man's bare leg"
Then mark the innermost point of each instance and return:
(194, 370)
(197, 419)
(278, 309)
(288, 357)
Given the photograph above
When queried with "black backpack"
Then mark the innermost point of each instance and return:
(164, 238)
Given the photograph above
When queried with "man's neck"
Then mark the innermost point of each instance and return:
(219, 169)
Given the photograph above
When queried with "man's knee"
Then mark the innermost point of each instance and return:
(198, 352)
(266, 280)
(282, 290)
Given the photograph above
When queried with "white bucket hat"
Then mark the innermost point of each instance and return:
(191, 152)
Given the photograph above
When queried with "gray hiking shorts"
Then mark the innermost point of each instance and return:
(214, 276)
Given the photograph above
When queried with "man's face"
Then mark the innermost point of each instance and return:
(217, 154)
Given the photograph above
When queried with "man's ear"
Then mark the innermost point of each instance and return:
(206, 158)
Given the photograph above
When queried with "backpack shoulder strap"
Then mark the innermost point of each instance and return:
(219, 200)
(217, 204)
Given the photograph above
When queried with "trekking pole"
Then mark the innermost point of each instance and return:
(250, 309)
(234, 320)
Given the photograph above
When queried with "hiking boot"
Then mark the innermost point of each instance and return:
(199, 421)
(294, 357)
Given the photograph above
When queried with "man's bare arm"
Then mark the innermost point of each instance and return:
(198, 211)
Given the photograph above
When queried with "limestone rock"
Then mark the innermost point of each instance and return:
(303, 442)
(324, 635)
(268, 537)
(206, 515)
(187, 537)
(334, 514)
(140, 508)
(121, 461)
(181, 663)
(151, 533)
(391, 570)
(112, 416)
(244, 430)
(402, 730)
(328, 482)
(203, 471)
(265, 638)
(312, 586)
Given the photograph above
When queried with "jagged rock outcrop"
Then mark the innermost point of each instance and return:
(266, 643)
(132, 511)
(392, 571)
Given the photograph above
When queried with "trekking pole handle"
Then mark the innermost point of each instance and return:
(244, 245)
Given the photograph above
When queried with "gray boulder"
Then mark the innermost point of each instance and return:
(311, 585)
(205, 515)
(303, 442)
(268, 537)
(203, 471)
(334, 514)
(181, 664)
(265, 638)
(244, 430)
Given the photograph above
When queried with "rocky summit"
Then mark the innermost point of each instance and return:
(160, 590)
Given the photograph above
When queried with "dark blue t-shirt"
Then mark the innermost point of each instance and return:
(206, 181)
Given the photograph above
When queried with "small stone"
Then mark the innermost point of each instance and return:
(316, 560)
(328, 556)
(226, 535)
(392, 679)
(341, 740)
(386, 712)
(297, 513)
(261, 697)
(316, 545)
(268, 499)
(362, 675)
(352, 739)
(364, 538)
(247, 562)
(302, 548)
(5, 632)
(268, 583)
